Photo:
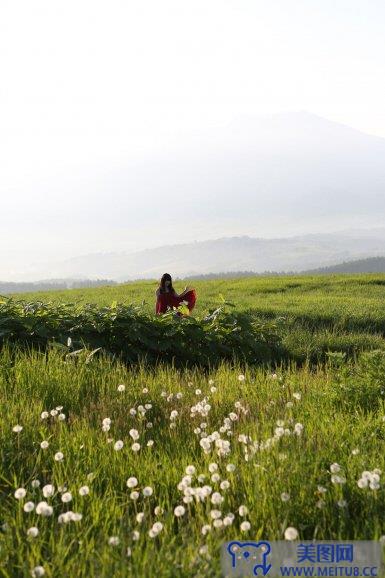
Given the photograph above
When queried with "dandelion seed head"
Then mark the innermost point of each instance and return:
(291, 533)
(20, 493)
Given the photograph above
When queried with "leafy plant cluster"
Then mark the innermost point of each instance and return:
(132, 334)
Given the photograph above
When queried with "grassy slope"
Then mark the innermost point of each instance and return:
(334, 297)
(295, 464)
(337, 312)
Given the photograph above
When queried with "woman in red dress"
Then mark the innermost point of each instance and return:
(166, 296)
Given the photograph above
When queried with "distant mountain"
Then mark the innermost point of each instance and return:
(227, 254)
(370, 265)
(256, 175)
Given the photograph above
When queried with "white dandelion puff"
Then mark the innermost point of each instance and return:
(291, 533)
(20, 493)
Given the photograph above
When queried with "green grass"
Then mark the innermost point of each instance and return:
(328, 322)
(321, 313)
(353, 302)
(295, 464)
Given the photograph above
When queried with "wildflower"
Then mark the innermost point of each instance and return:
(44, 445)
(35, 483)
(132, 482)
(190, 470)
(66, 497)
(218, 523)
(173, 414)
(216, 498)
(44, 415)
(48, 490)
(135, 447)
(106, 424)
(135, 535)
(230, 467)
(20, 493)
(205, 529)
(289, 404)
(147, 491)
(158, 511)
(291, 533)
(113, 541)
(59, 457)
(69, 517)
(121, 387)
(33, 532)
(225, 485)
(179, 511)
(213, 468)
(44, 509)
(134, 434)
(29, 507)
(297, 395)
(53, 412)
(37, 572)
(285, 497)
(342, 503)
(128, 552)
(61, 416)
(134, 495)
(118, 445)
(245, 526)
(84, 491)
(335, 479)
(298, 429)
(140, 517)
(241, 377)
(156, 529)
(17, 428)
(335, 468)
(355, 452)
(243, 511)
(215, 514)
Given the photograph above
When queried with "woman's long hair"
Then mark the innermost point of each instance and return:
(162, 283)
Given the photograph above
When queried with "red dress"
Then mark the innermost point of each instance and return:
(165, 300)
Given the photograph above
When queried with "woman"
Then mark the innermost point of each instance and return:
(166, 296)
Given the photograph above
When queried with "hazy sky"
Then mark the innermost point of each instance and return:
(91, 88)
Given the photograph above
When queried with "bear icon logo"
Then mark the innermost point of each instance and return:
(254, 552)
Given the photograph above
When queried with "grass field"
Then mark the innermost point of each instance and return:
(321, 313)
(238, 452)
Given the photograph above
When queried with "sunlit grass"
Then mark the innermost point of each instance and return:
(296, 462)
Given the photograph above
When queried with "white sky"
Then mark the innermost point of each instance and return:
(89, 86)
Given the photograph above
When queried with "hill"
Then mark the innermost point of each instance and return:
(370, 265)
(279, 175)
(290, 254)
